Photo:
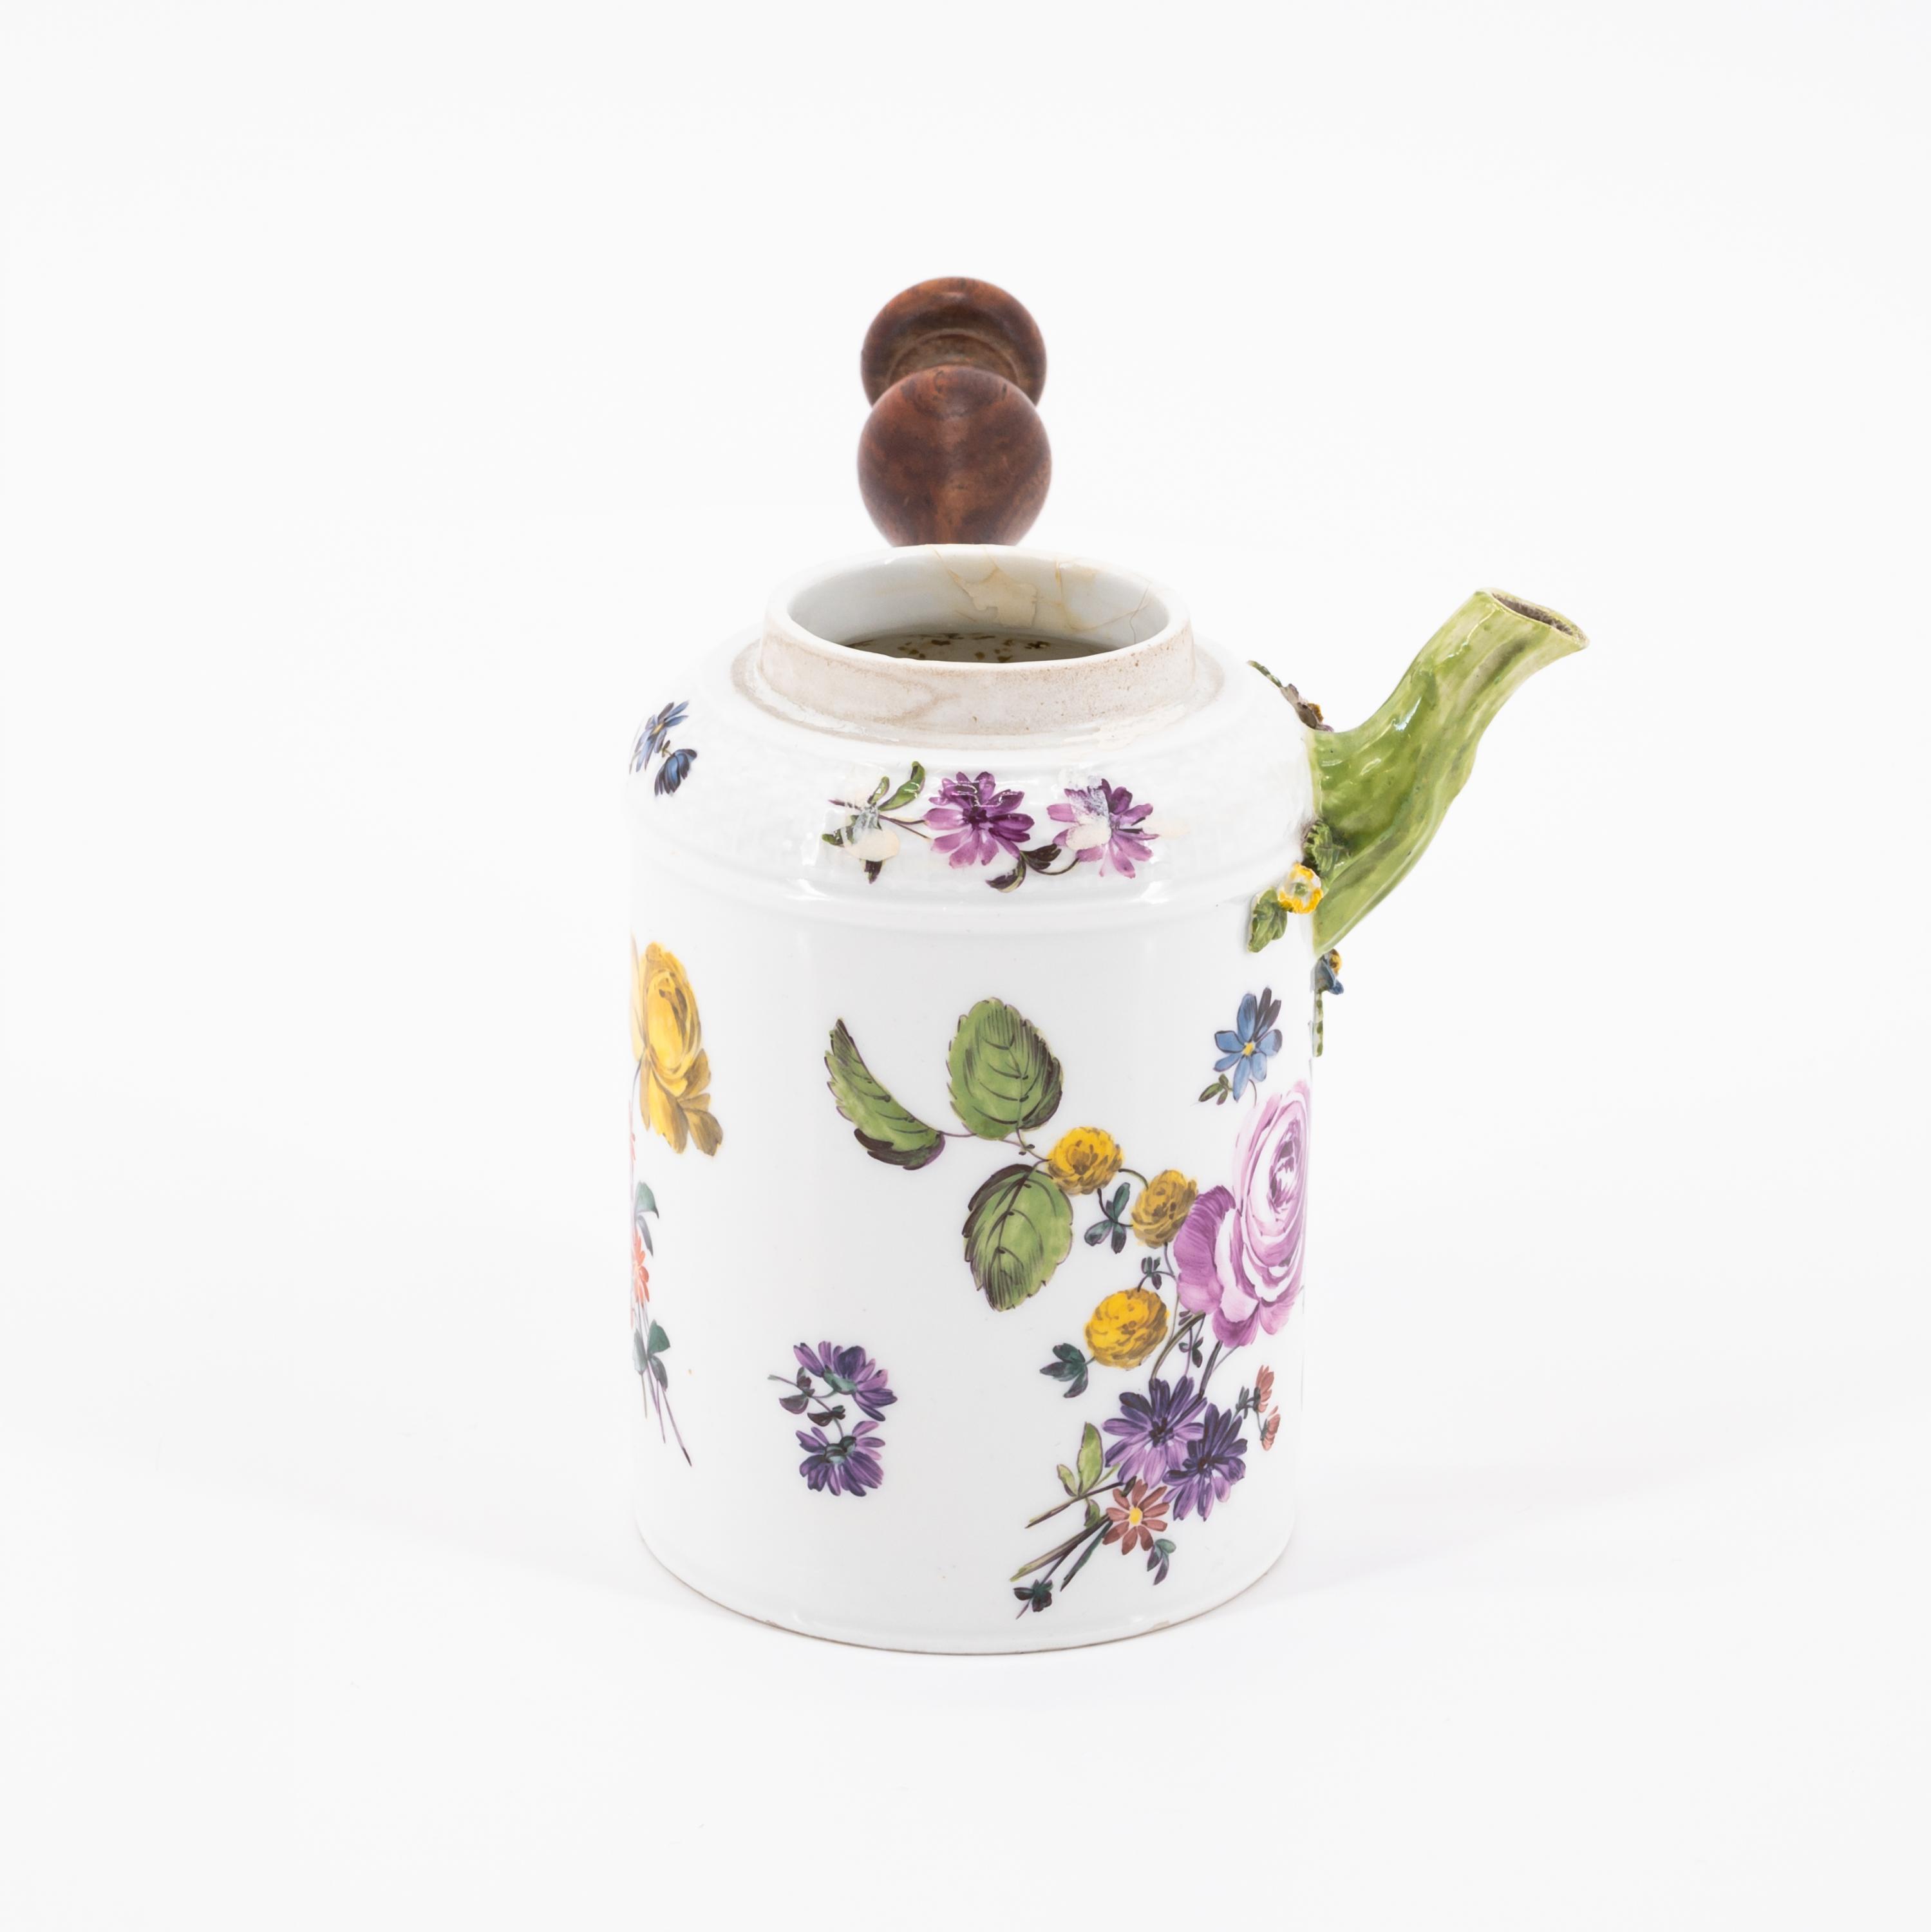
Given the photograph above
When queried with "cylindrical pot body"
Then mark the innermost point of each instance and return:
(969, 1140)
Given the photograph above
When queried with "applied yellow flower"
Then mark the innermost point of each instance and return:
(1127, 1327)
(1301, 890)
(1084, 1158)
(1165, 1203)
(666, 1042)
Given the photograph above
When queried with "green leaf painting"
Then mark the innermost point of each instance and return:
(1091, 1457)
(886, 1131)
(1004, 1078)
(1168, 1451)
(648, 1339)
(1019, 1229)
(906, 792)
(1004, 1082)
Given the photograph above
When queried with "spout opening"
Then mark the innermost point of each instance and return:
(1382, 788)
(1539, 614)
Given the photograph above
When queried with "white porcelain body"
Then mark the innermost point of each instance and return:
(790, 1233)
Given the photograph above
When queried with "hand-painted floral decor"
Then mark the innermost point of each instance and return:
(670, 1095)
(1238, 1257)
(1231, 1257)
(648, 1341)
(1171, 1454)
(654, 741)
(673, 1072)
(1245, 1047)
(975, 821)
(1235, 1261)
(1005, 1085)
(846, 1462)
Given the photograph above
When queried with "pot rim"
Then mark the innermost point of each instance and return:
(1146, 665)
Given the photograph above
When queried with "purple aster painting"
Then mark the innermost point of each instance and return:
(1218, 1272)
(839, 1461)
(1229, 1257)
(1100, 823)
(1152, 1431)
(975, 821)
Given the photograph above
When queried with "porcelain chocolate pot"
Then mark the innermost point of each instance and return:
(983, 916)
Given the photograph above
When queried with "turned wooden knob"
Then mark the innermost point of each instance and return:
(953, 451)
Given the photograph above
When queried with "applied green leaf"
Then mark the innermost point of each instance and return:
(886, 1131)
(1318, 851)
(1266, 920)
(1004, 1078)
(1019, 1229)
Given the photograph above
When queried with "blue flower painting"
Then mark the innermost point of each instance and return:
(654, 742)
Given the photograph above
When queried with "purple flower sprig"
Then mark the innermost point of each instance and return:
(975, 820)
(1101, 825)
(848, 1466)
(1154, 1431)
(1168, 1451)
(1212, 1464)
(848, 1372)
(845, 1462)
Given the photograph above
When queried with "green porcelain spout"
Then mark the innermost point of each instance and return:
(1381, 790)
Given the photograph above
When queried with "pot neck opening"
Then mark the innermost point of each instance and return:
(974, 639)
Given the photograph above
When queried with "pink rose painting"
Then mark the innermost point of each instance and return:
(1240, 1253)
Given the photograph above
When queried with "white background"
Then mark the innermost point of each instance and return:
(393, 392)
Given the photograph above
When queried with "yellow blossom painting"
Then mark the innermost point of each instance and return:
(673, 1072)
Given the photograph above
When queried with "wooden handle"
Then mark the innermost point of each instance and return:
(953, 451)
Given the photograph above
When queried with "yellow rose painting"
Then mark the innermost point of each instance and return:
(666, 1042)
